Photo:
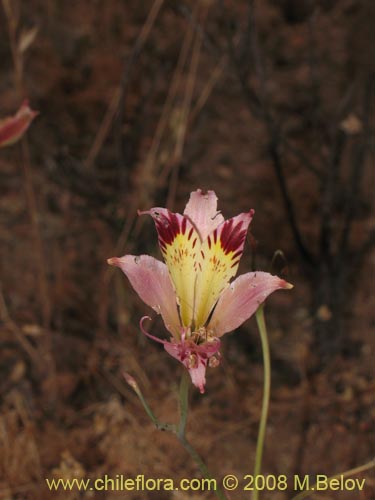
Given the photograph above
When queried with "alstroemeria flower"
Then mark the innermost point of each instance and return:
(12, 128)
(192, 290)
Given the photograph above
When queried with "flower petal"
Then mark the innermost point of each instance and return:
(150, 279)
(179, 243)
(221, 253)
(13, 127)
(201, 209)
(241, 300)
(194, 357)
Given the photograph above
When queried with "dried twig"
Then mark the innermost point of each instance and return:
(18, 333)
(260, 108)
(168, 108)
(12, 15)
(184, 120)
(357, 170)
(118, 96)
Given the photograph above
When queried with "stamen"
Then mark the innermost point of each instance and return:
(192, 361)
(149, 334)
(213, 362)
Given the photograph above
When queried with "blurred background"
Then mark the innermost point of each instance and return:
(269, 103)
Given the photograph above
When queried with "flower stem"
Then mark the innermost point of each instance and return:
(266, 394)
(202, 467)
(184, 404)
(159, 425)
(181, 430)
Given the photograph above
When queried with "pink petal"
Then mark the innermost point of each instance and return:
(13, 127)
(150, 279)
(201, 209)
(194, 357)
(198, 374)
(241, 299)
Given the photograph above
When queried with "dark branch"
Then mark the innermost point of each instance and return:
(260, 109)
(358, 167)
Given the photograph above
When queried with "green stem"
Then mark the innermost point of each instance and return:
(198, 460)
(181, 430)
(266, 394)
(159, 425)
(184, 403)
(348, 473)
(202, 467)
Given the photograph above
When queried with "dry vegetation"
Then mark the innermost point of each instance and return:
(271, 104)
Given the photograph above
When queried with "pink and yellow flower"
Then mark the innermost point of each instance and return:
(192, 290)
(12, 128)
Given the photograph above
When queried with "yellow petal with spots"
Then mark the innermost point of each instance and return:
(221, 253)
(180, 246)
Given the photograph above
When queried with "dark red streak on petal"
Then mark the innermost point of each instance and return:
(237, 254)
(232, 238)
(183, 226)
(168, 228)
(162, 245)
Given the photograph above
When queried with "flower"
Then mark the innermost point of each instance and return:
(12, 128)
(192, 290)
